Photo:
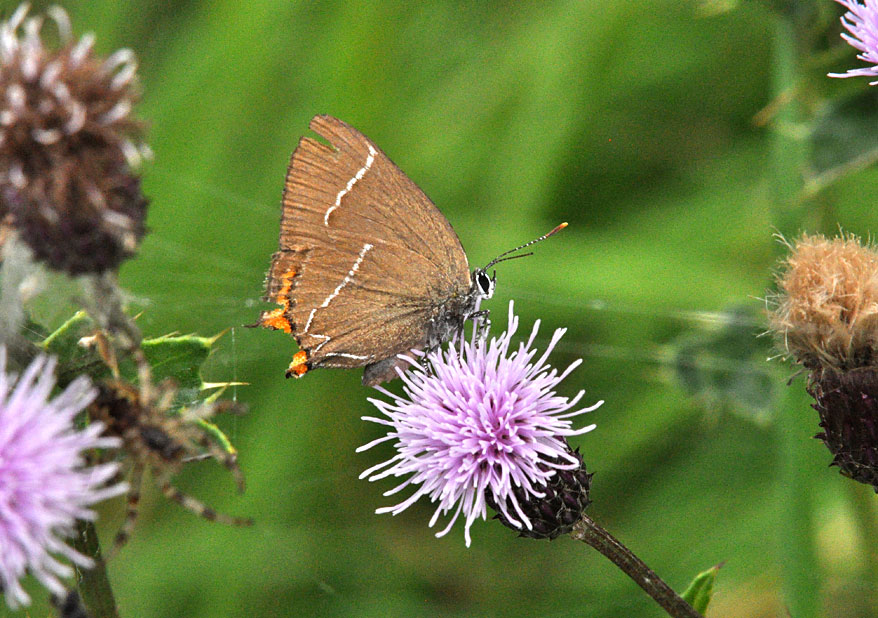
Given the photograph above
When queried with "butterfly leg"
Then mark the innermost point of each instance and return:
(481, 323)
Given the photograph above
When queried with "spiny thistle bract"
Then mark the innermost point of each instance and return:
(563, 501)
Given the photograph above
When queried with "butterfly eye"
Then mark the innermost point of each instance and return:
(486, 286)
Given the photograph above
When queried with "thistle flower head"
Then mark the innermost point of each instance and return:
(827, 311)
(861, 22)
(479, 423)
(67, 141)
(827, 318)
(45, 485)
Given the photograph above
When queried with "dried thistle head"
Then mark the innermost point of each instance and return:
(827, 310)
(67, 144)
(827, 317)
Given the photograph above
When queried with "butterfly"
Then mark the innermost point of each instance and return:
(368, 268)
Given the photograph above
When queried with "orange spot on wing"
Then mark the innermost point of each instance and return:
(283, 297)
(299, 366)
(277, 319)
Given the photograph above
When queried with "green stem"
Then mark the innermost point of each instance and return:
(797, 424)
(789, 157)
(103, 302)
(93, 584)
(790, 147)
(862, 500)
(588, 531)
(16, 267)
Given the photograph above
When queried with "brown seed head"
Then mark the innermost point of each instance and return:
(67, 141)
(827, 311)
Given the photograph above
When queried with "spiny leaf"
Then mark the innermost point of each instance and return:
(178, 357)
(69, 344)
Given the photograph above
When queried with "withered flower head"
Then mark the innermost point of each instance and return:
(827, 318)
(827, 314)
(67, 144)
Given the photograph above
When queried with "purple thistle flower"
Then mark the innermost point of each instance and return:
(45, 485)
(477, 422)
(861, 21)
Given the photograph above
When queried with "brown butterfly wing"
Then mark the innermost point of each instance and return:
(365, 257)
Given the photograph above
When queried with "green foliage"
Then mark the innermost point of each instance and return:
(176, 357)
(700, 590)
(633, 120)
(844, 139)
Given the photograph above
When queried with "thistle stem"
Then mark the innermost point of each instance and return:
(94, 585)
(862, 502)
(588, 531)
(17, 265)
(790, 214)
(103, 302)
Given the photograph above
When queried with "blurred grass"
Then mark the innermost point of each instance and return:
(633, 121)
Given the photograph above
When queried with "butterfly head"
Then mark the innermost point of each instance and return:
(483, 285)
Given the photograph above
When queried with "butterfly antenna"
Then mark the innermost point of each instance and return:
(510, 257)
(500, 258)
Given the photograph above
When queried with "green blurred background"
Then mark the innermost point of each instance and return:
(634, 120)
